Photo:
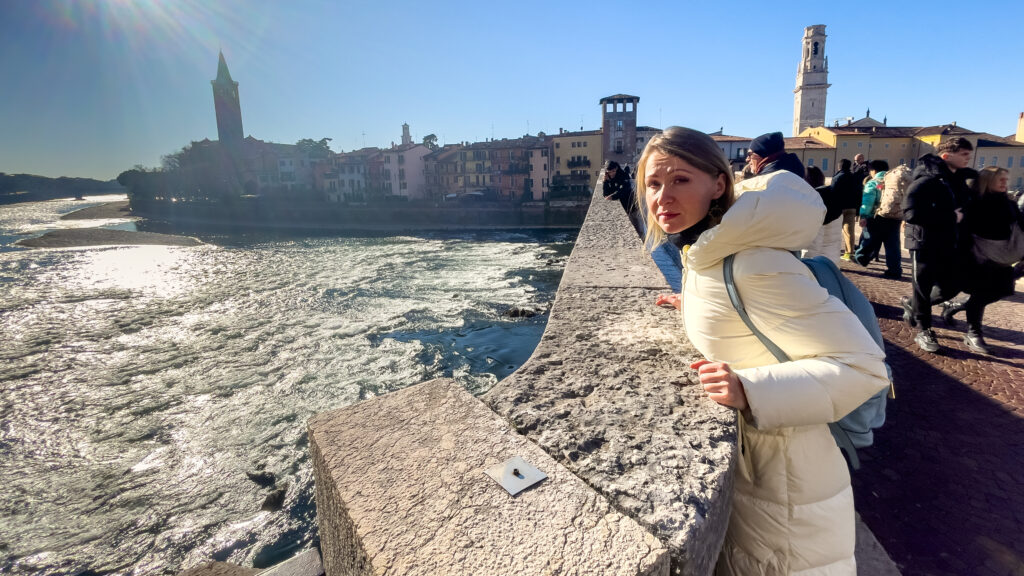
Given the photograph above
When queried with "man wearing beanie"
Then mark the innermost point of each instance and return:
(768, 154)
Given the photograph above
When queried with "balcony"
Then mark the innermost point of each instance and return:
(578, 163)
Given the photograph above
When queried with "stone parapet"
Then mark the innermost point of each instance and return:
(609, 394)
(401, 490)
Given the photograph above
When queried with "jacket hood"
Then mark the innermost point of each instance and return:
(929, 165)
(777, 210)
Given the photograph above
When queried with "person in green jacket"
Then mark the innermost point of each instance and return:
(876, 231)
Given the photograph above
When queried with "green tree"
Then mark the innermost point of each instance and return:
(318, 149)
(430, 141)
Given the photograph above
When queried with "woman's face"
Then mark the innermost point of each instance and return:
(1000, 182)
(679, 195)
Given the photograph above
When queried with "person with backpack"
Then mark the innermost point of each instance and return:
(881, 217)
(792, 501)
(933, 211)
(994, 227)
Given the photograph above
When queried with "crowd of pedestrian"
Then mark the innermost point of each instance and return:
(792, 503)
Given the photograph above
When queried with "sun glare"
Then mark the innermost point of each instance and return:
(161, 271)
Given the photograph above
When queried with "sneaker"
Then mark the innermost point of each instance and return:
(949, 309)
(892, 275)
(908, 312)
(926, 341)
(846, 257)
(976, 343)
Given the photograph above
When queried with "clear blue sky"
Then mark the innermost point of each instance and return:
(92, 87)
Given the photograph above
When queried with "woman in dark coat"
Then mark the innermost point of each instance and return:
(990, 214)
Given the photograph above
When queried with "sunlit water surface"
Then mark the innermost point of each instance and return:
(141, 384)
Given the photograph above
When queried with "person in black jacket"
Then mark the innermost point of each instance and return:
(992, 215)
(932, 210)
(616, 185)
(848, 190)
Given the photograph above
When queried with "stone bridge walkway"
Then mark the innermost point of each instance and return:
(943, 487)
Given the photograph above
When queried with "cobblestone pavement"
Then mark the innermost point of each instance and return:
(943, 487)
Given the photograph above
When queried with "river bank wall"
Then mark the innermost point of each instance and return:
(249, 214)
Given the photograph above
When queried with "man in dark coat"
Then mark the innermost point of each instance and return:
(768, 154)
(932, 210)
(616, 185)
(861, 169)
(848, 189)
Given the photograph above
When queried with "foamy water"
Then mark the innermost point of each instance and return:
(141, 384)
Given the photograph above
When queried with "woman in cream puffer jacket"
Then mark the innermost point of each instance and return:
(792, 501)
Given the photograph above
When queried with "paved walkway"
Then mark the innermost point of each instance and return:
(943, 487)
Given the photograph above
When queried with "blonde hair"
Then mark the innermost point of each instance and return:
(696, 149)
(985, 177)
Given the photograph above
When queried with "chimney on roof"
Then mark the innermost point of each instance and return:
(954, 123)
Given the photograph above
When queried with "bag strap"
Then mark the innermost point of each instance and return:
(841, 437)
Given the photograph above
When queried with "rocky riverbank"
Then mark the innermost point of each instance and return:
(81, 237)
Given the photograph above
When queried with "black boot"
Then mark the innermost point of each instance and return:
(976, 342)
(949, 309)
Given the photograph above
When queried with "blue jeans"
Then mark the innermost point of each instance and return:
(881, 232)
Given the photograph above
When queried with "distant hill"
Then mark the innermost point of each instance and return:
(32, 188)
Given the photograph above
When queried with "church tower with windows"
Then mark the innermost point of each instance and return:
(811, 81)
(227, 106)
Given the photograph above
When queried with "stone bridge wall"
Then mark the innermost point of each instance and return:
(639, 461)
(609, 394)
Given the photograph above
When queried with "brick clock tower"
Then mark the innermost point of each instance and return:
(229, 110)
(618, 128)
(811, 81)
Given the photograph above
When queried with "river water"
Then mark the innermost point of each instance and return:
(141, 386)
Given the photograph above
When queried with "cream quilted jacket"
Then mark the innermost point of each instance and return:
(792, 503)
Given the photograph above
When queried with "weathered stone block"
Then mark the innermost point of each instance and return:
(401, 490)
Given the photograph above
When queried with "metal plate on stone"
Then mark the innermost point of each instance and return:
(515, 474)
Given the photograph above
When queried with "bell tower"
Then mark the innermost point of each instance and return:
(227, 106)
(811, 81)
(618, 128)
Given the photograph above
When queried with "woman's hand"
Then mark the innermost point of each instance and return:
(721, 384)
(672, 300)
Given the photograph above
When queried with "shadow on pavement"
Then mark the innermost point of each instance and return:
(943, 486)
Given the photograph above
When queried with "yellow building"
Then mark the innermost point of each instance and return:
(813, 152)
(992, 150)
(577, 162)
(905, 145)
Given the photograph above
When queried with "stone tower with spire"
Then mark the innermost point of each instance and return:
(811, 81)
(226, 103)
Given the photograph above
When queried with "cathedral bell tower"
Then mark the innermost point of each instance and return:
(225, 102)
(811, 81)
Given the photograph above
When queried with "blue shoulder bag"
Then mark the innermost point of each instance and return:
(856, 429)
